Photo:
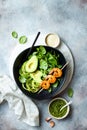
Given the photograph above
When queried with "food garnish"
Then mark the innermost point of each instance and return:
(70, 92)
(14, 34)
(22, 39)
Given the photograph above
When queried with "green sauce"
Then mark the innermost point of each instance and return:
(55, 107)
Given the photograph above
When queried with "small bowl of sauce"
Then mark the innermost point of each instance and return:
(52, 40)
(54, 108)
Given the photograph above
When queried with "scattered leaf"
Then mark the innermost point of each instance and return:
(70, 92)
(22, 39)
(48, 119)
(14, 34)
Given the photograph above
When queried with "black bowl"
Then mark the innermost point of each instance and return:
(44, 94)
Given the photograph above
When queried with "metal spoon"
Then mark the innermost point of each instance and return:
(66, 105)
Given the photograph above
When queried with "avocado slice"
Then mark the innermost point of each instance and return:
(37, 76)
(31, 64)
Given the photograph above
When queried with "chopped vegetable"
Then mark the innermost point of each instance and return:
(70, 92)
(14, 34)
(22, 39)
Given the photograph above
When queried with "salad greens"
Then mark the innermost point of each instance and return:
(47, 60)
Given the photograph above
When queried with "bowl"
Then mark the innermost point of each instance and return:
(21, 58)
(52, 40)
(54, 108)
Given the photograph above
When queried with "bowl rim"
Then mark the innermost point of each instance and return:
(68, 108)
(25, 92)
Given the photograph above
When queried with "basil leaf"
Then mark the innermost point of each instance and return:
(70, 92)
(14, 34)
(22, 39)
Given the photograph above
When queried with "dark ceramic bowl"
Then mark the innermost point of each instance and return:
(44, 94)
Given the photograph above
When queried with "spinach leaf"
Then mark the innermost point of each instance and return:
(70, 92)
(22, 39)
(15, 34)
(43, 64)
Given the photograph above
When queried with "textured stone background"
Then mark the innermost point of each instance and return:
(68, 18)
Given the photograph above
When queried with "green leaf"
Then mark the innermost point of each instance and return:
(42, 50)
(50, 90)
(22, 39)
(14, 34)
(22, 79)
(59, 66)
(55, 84)
(43, 64)
(70, 92)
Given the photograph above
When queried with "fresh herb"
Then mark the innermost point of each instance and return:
(14, 34)
(70, 92)
(22, 39)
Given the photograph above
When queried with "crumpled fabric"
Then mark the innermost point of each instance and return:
(23, 107)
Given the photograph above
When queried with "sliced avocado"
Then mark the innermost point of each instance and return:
(31, 64)
(37, 76)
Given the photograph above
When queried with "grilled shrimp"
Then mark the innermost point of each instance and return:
(56, 72)
(51, 79)
(45, 84)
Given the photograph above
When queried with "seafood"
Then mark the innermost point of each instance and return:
(45, 84)
(50, 78)
(56, 72)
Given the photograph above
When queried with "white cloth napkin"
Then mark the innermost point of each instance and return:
(23, 106)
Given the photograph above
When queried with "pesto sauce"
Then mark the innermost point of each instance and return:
(55, 107)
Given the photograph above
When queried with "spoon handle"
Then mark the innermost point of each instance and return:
(66, 105)
(33, 45)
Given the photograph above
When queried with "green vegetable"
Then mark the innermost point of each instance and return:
(70, 92)
(22, 39)
(31, 64)
(32, 86)
(43, 64)
(14, 34)
(36, 68)
(50, 90)
(55, 107)
(22, 79)
(55, 84)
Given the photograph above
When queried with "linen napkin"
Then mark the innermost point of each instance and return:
(24, 107)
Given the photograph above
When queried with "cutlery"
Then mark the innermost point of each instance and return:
(66, 105)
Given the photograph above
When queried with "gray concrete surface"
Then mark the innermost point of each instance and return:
(68, 18)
